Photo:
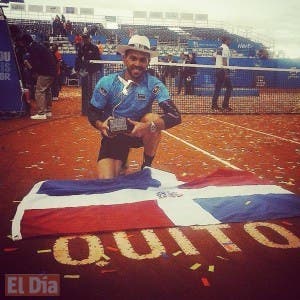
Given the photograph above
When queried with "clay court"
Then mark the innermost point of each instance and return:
(255, 260)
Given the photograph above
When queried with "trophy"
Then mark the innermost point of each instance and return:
(118, 125)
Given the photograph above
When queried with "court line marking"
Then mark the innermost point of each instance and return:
(256, 131)
(202, 151)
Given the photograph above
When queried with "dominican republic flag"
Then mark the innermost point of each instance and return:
(149, 199)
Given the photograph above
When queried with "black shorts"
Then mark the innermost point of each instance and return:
(118, 147)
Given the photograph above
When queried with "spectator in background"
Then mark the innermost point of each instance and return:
(181, 60)
(77, 41)
(89, 72)
(169, 74)
(189, 74)
(88, 51)
(153, 65)
(69, 27)
(20, 51)
(100, 48)
(63, 26)
(85, 29)
(56, 86)
(222, 56)
(263, 54)
(16, 35)
(29, 77)
(42, 63)
(56, 26)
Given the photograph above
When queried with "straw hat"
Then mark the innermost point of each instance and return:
(138, 43)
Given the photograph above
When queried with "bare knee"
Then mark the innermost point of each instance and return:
(108, 168)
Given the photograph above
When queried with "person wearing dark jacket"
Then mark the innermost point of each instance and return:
(42, 63)
(89, 72)
(169, 73)
(189, 74)
(88, 51)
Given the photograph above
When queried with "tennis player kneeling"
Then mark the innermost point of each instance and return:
(121, 107)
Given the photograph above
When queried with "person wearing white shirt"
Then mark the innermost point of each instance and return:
(222, 56)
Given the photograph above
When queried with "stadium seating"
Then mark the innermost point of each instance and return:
(168, 41)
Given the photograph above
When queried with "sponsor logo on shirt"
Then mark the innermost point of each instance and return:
(156, 90)
(141, 96)
(103, 91)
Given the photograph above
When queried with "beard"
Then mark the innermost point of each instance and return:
(136, 73)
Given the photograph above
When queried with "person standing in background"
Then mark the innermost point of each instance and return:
(189, 74)
(181, 60)
(100, 48)
(88, 51)
(56, 86)
(89, 72)
(42, 63)
(222, 56)
(169, 74)
(77, 41)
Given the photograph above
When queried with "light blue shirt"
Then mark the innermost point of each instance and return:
(134, 103)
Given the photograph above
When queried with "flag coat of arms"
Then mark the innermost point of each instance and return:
(150, 198)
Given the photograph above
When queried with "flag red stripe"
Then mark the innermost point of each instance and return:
(224, 177)
(145, 214)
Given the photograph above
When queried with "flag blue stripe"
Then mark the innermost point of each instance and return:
(253, 207)
(139, 180)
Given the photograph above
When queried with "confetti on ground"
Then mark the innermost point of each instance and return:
(211, 268)
(72, 276)
(22, 152)
(221, 257)
(112, 249)
(10, 249)
(16, 201)
(287, 223)
(177, 253)
(287, 183)
(105, 257)
(164, 254)
(108, 271)
(102, 263)
(44, 251)
(247, 202)
(230, 246)
(195, 266)
(205, 281)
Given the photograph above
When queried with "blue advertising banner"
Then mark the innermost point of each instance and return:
(10, 81)
(203, 44)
